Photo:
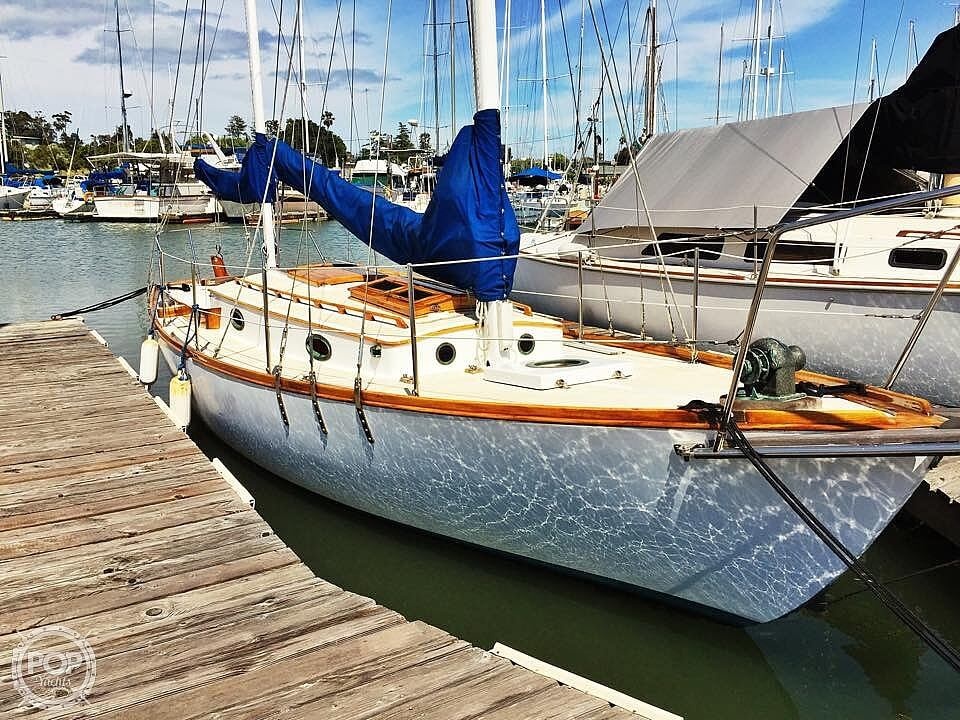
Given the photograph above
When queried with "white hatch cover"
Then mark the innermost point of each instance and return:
(558, 373)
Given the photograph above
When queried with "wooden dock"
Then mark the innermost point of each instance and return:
(114, 526)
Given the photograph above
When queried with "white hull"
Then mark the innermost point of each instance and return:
(150, 208)
(612, 502)
(12, 198)
(65, 206)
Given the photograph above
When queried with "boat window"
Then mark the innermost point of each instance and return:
(236, 319)
(318, 347)
(526, 344)
(815, 253)
(916, 258)
(680, 245)
(446, 353)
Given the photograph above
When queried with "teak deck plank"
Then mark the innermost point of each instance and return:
(113, 523)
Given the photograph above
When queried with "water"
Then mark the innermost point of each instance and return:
(849, 660)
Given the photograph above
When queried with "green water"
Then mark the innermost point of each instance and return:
(851, 659)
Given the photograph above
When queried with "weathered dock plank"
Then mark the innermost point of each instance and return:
(115, 526)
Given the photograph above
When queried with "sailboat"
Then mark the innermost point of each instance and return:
(421, 392)
(850, 293)
(12, 195)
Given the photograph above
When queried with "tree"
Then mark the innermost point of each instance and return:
(236, 127)
(425, 143)
(60, 122)
(325, 146)
(273, 127)
(402, 140)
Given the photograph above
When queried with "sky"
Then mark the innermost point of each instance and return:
(60, 56)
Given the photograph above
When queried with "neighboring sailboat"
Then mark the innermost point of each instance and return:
(849, 293)
(434, 400)
(12, 195)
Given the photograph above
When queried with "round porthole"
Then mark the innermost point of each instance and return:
(236, 319)
(318, 346)
(446, 353)
(559, 363)
(526, 344)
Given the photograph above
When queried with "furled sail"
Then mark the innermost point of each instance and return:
(917, 126)
(252, 184)
(469, 216)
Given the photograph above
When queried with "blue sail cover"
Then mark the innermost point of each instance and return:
(469, 215)
(251, 183)
(536, 173)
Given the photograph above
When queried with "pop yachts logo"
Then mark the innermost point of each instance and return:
(53, 666)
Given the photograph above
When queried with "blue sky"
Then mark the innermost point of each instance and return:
(58, 56)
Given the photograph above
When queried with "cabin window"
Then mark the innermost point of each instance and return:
(318, 347)
(682, 246)
(446, 353)
(915, 258)
(813, 253)
(526, 344)
(236, 319)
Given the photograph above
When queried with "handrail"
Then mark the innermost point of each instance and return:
(764, 271)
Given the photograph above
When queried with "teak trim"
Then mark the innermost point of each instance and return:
(598, 416)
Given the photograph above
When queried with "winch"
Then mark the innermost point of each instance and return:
(769, 371)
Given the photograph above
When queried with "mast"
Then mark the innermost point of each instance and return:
(768, 69)
(436, 80)
(505, 85)
(260, 125)
(303, 80)
(873, 68)
(650, 96)
(780, 85)
(755, 61)
(719, 74)
(3, 131)
(543, 68)
(123, 92)
(453, 70)
(497, 325)
(911, 49)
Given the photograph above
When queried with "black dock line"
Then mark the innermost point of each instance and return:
(102, 305)
(893, 603)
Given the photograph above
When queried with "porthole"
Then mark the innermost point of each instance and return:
(446, 353)
(236, 319)
(526, 344)
(558, 363)
(915, 258)
(318, 347)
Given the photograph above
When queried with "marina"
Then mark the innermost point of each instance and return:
(666, 432)
(864, 663)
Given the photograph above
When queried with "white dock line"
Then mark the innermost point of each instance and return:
(565, 677)
(166, 411)
(98, 337)
(126, 366)
(240, 490)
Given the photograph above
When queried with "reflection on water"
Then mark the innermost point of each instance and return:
(852, 660)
